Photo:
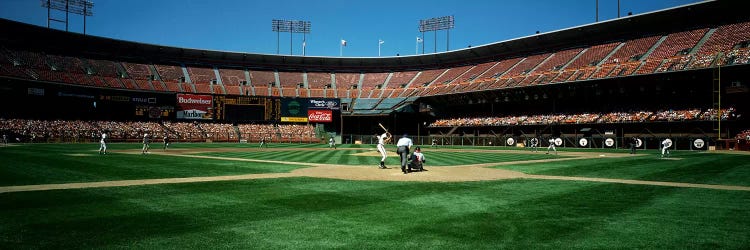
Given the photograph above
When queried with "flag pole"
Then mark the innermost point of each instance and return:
(380, 41)
(341, 47)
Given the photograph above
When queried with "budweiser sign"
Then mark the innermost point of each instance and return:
(319, 115)
(194, 99)
(194, 106)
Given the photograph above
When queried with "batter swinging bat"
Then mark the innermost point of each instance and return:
(381, 126)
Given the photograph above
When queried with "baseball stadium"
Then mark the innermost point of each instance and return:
(629, 133)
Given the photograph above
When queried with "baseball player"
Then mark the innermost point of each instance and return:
(263, 142)
(434, 143)
(665, 148)
(534, 144)
(166, 142)
(146, 141)
(551, 146)
(5, 139)
(382, 140)
(418, 159)
(103, 144)
(403, 144)
(331, 143)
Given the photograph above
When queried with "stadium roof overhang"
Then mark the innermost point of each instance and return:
(660, 22)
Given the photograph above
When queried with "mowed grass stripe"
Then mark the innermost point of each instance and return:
(276, 155)
(463, 158)
(324, 213)
(322, 156)
(62, 163)
(346, 157)
(687, 167)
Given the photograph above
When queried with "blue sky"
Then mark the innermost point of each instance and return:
(245, 25)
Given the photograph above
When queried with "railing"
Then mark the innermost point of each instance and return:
(682, 142)
(647, 141)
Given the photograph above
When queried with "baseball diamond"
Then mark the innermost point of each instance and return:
(165, 188)
(528, 125)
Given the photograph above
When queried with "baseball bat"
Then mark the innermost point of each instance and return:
(381, 126)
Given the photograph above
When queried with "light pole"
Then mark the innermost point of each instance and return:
(80, 7)
(437, 23)
(291, 26)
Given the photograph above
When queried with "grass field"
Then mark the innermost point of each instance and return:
(287, 210)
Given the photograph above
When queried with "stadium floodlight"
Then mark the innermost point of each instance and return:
(80, 7)
(434, 24)
(291, 26)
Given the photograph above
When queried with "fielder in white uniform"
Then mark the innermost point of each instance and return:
(551, 146)
(534, 144)
(103, 144)
(664, 148)
(146, 141)
(332, 143)
(382, 140)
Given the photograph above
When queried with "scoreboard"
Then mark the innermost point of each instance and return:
(274, 109)
(246, 108)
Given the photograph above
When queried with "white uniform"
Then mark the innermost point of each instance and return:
(381, 147)
(534, 143)
(664, 148)
(551, 146)
(103, 144)
(146, 141)
(331, 143)
(420, 156)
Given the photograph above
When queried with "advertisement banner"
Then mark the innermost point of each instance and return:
(294, 110)
(320, 115)
(308, 109)
(323, 103)
(293, 107)
(294, 119)
(195, 107)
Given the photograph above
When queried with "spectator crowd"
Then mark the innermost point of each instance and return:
(29, 130)
(590, 118)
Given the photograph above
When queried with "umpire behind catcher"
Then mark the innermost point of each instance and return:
(403, 144)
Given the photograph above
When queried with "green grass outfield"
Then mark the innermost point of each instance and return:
(313, 213)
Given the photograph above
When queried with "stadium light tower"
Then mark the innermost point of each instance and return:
(80, 7)
(434, 24)
(291, 26)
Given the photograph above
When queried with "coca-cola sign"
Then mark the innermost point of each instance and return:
(319, 115)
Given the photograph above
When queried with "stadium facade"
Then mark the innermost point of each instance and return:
(675, 73)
